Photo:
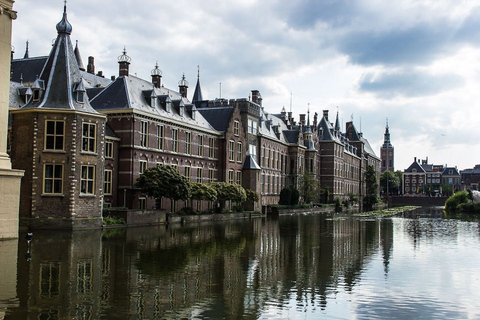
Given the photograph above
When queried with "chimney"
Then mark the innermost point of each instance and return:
(183, 86)
(100, 74)
(415, 159)
(123, 64)
(256, 97)
(157, 76)
(112, 78)
(302, 119)
(91, 65)
(325, 114)
(315, 119)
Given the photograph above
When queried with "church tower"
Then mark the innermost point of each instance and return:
(387, 152)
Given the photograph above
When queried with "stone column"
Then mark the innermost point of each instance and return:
(9, 179)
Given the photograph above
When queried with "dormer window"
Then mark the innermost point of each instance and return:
(28, 94)
(169, 106)
(182, 111)
(80, 92)
(36, 94)
(153, 99)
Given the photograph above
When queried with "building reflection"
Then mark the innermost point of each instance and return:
(227, 270)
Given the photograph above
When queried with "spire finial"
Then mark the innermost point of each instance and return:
(387, 122)
(198, 72)
(124, 57)
(64, 26)
(27, 54)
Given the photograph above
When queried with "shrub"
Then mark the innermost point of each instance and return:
(453, 203)
(109, 220)
(187, 211)
(285, 196)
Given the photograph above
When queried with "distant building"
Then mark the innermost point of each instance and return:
(387, 152)
(422, 178)
(470, 178)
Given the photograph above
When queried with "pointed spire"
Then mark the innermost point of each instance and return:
(337, 123)
(78, 57)
(60, 85)
(27, 54)
(386, 141)
(197, 94)
(64, 26)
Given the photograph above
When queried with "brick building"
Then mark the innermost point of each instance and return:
(84, 139)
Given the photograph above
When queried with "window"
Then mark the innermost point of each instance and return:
(107, 182)
(188, 142)
(200, 146)
(36, 94)
(239, 177)
(50, 279)
(252, 126)
(144, 134)
(211, 175)
(142, 203)
(160, 135)
(230, 176)
(236, 128)
(87, 180)
(84, 276)
(253, 151)
(143, 166)
(187, 173)
(88, 137)
(80, 96)
(53, 179)
(211, 148)
(199, 175)
(108, 149)
(54, 135)
(231, 150)
(175, 140)
(239, 152)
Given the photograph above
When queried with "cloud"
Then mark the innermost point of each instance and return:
(408, 83)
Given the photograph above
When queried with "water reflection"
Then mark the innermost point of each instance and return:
(292, 267)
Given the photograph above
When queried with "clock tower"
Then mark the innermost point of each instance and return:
(387, 152)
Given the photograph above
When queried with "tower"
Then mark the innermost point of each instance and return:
(387, 152)
(61, 147)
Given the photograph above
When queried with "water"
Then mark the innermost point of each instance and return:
(296, 267)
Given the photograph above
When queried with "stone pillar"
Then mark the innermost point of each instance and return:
(9, 179)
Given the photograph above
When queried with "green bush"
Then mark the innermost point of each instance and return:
(453, 203)
(285, 196)
(109, 220)
(187, 211)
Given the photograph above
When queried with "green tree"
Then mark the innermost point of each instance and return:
(371, 186)
(164, 181)
(202, 191)
(308, 187)
(252, 195)
(285, 196)
(227, 191)
(389, 182)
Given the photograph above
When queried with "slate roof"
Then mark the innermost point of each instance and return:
(266, 129)
(415, 165)
(61, 76)
(133, 93)
(218, 117)
(454, 171)
(109, 131)
(250, 163)
(28, 69)
(291, 136)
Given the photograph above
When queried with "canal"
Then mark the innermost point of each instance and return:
(294, 267)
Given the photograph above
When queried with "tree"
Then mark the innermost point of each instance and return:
(227, 191)
(252, 195)
(308, 187)
(202, 191)
(164, 181)
(371, 186)
(389, 182)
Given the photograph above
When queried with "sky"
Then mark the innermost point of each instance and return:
(413, 62)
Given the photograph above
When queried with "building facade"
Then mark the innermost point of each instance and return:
(90, 138)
